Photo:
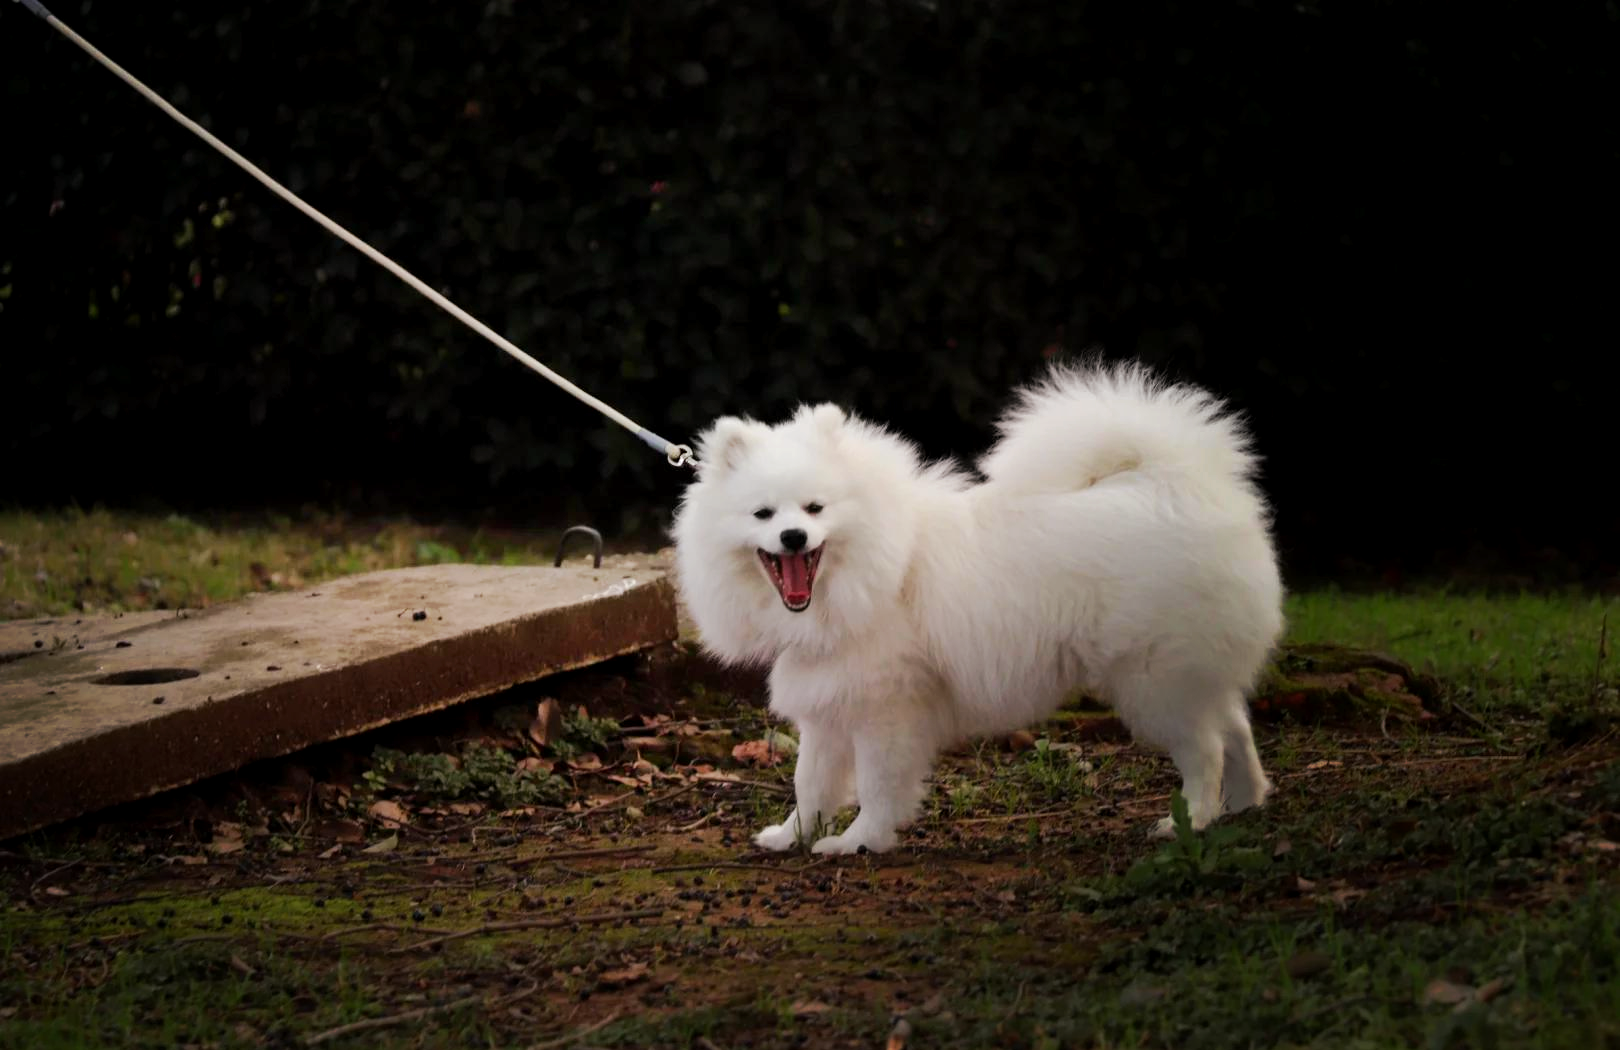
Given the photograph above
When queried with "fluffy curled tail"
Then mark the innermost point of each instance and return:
(1086, 423)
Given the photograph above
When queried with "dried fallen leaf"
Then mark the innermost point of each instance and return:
(1020, 740)
(585, 761)
(809, 1007)
(1491, 989)
(1446, 992)
(387, 845)
(227, 838)
(758, 753)
(330, 851)
(55, 891)
(899, 1035)
(547, 725)
(636, 971)
(389, 814)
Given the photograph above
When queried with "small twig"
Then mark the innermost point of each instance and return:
(53, 872)
(1014, 816)
(6, 854)
(115, 938)
(1018, 1000)
(677, 793)
(1478, 721)
(371, 1023)
(717, 778)
(576, 1035)
(549, 923)
(309, 809)
(1413, 763)
(699, 822)
(738, 866)
(202, 938)
(614, 803)
(539, 858)
(1334, 1007)
(580, 854)
(389, 927)
(606, 807)
(1602, 653)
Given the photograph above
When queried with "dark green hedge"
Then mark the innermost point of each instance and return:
(1332, 211)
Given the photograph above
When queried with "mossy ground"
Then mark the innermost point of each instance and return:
(1434, 873)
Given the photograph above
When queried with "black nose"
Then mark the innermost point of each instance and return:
(794, 539)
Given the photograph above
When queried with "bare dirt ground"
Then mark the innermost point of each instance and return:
(522, 872)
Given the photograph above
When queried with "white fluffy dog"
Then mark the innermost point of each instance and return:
(1116, 542)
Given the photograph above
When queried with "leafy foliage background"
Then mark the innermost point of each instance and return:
(1384, 230)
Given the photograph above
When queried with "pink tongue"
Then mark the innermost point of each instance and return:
(795, 577)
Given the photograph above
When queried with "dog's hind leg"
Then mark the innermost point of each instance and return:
(820, 787)
(1244, 779)
(1187, 718)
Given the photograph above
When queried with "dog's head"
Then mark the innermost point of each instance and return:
(779, 493)
(795, 532)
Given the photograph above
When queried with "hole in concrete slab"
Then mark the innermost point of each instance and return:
(146, 676)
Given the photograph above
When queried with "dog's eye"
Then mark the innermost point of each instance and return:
(764, 513)
(812, 508)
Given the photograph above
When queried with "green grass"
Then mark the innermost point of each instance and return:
(1517, 653)
(58, 562)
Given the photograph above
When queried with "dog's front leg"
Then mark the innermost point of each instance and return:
(891, 780)
(820, 787)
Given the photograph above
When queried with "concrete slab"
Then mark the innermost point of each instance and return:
(20, 638)
(103, 712)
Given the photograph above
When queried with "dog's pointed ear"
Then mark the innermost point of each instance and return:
(725, 443)
(826, 417)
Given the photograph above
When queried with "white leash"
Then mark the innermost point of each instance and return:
(677, 455)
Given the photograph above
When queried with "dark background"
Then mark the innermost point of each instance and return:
(1386, 231)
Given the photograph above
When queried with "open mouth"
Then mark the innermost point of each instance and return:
(794, 574)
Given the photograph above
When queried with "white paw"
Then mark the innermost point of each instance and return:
(853, 842)
(1166, 827)
(776, 837)
(1245, 800)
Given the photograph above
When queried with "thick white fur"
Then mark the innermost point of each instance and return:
(1116, 542)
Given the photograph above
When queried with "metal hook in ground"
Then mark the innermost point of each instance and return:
(586, 530)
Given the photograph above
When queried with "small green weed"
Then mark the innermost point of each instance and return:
(480, 772)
